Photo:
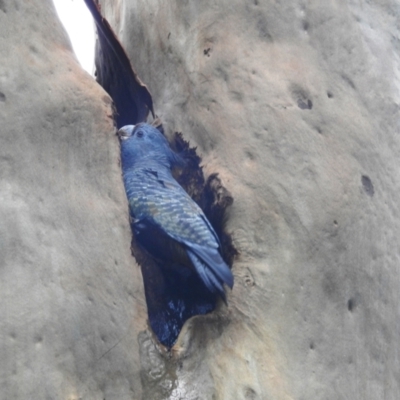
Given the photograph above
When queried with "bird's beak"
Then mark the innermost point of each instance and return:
(125, 132)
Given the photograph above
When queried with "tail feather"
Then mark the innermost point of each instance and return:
(213, 281)
(214, 261)
(206, 274)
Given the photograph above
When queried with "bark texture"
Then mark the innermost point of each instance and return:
(72, 302)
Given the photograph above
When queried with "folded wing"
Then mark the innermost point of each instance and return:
(159, 199)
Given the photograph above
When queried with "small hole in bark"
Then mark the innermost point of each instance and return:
(367, 185)
(305, 104)
(301, 96)
(329, 94)
(350, 305)
(250, 393)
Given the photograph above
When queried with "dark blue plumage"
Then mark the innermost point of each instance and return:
(166, 221)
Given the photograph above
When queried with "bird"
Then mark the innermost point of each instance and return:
(165, 220)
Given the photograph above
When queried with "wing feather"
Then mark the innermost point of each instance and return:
(158, 198)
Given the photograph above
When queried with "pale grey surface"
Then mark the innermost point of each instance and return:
(296, 104)
(71, 300)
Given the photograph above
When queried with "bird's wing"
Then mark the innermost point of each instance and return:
(159, 199)
(162, 201)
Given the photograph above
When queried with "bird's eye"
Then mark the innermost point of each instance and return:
(139, 133)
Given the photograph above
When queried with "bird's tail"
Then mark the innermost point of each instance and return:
(214, 274)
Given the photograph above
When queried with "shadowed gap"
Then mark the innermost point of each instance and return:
(173, 294)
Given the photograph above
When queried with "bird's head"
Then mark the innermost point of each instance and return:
(144, 143)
